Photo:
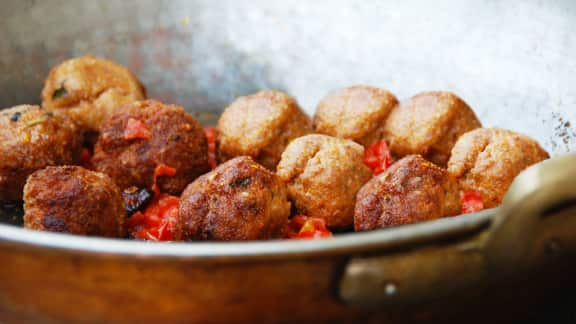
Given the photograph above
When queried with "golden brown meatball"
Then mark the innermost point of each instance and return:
(145, 135)
(323, 174)
(239, 200)
(90, 89)
(32, 138)
(429, 124)
(488, 159)
(260, 126)
(71, 199)
(412, 190)
(356, 113)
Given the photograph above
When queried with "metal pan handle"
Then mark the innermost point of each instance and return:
(534, 221)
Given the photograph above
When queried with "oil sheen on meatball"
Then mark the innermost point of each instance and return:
(89, 90)
(429, 124)
(71, 199)
(323, 174)
(239, 200)
(32, 138)
(165, 135)
(488, 159)
(412, 190)
(356, 113)
(261, 125)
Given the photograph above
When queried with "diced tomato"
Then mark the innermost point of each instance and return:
(377, 157)
(157, 222)
(161, 170)
(135, 129)
(86, 158)
(471, 201)
(303, 227)
(211, 137)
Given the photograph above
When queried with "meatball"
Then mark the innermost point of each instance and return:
(412, 190)
(145, 135)
(71, 199)
(89, 89)
(239, 200)
(356, 113)
(429, 124)
(323, 174)
(260, 126)
(488, 159)
(32, 138)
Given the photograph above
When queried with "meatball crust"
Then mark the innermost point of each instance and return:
(32, 138)
(71, 199)
(175, 139)
(323, 174)
(488, 159)
(90, 89)
(429, 124)
(356, 113)
(412, 190)
(239, 200)
(261, 125)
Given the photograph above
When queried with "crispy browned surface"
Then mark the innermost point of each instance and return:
(323, 174)
(260, 126)
(239, 200)
(35, 140)
(429, 124)
(71, 199)
(488, 159)
(356, 113)
(177, 141)
(94, 89)
(412, 190)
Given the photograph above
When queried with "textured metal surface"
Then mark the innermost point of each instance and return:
(512, 61)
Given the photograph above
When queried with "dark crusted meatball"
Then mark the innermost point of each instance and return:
(356, 113)
(239, 200)
(31, 139)
(260, 126)
(71, 199)
(323, 174)
(488, 159)
(90, 89)
(429, 124)
(412, 190)
(144, 135)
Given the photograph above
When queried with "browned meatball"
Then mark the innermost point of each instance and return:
(90, 89)
(260, 126)
(31, 139)
(488, 159)
(239, 200)
(145, 135)
(429, 124)
(323, 174)
(71, 199)
(412, 190)
(356, 113)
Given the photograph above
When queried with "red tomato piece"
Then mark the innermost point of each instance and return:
(471, 201)
(136, 129)
(304, 227)
(378, 157)
(211, 137)
(157, 222)
(161, 170)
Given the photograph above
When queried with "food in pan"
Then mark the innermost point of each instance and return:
(428, 124)
(239, 200)
(71, 199)
(31, 139)
(323, 174)
(356, 113)
(88, 89)
(488, 159)
(261, 125)
(147, 142)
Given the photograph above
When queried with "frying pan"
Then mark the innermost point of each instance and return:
(513, 62)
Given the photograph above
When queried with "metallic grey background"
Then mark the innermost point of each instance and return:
(514, 62)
